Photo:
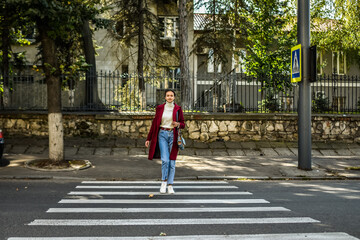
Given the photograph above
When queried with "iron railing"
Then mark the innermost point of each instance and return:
(112, 91)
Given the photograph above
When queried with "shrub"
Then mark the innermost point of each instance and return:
(320, 103)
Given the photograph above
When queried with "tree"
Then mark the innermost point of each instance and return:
(136, 25)
(269, 34)
(55, 25)
(335, 26)
(217, 30)
(186, 96)
(12, 24)
(263, 28)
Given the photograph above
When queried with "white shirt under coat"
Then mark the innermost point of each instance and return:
(167, 117)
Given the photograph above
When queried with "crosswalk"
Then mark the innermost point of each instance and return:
(197, 204)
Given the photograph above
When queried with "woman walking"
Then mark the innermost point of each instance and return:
(162, 138)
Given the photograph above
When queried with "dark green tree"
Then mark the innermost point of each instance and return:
(264, 28)
(335, 26)
(13, 25)
(60, 28)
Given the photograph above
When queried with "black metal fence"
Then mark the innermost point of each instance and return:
(112, 91)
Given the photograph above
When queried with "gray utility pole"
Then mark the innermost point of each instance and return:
(304, 111)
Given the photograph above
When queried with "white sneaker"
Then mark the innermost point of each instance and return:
(163, 187)
(170, 190)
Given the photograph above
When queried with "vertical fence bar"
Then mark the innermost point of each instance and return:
(103, 86)
(352, 94)
(357, 83)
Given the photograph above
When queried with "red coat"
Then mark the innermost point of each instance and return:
(154, 151)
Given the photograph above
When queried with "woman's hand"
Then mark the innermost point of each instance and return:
(175, 124)
(147, 143)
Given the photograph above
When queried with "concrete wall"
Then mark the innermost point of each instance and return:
(199, 127)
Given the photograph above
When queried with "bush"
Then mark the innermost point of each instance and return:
(320, 103)
(271, 102)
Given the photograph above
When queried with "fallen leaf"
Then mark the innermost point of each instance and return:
(162, 234)
(151, 195)
(25, 187)
(17, 189)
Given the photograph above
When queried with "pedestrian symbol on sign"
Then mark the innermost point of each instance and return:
(296, 63)
(296, 67)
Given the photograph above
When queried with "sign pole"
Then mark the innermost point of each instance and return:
(304, 110)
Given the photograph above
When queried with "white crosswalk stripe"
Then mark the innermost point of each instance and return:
(157, 187)
(153, 182)
(166, 201)
(132, 197)
(155, 210)
(156, 193)
(283, 236)
(185, 221)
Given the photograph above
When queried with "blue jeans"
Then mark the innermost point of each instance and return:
(167, 166)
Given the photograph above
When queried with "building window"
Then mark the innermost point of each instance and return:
(212, 64)
(338, 62)
(169, 28)
(171, 77)
(239, 61)
(319, 63)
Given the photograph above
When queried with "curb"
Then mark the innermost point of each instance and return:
(25, 177)
(262, 178)
(196, 178)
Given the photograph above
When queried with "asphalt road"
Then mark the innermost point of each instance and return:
(74, 209)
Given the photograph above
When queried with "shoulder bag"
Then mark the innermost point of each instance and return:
(180, 140)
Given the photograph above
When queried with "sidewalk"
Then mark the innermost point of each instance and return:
(126, 159)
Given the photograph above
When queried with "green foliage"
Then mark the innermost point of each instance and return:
(63, 21)
(15, 26)
(320, 103)
(265, 28)
(335, 26)
(270, 33)
(358, 105)
(271, 102)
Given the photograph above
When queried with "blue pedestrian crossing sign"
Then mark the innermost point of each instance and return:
(296, 63)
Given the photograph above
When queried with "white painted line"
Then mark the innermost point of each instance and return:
(158, 187)
(153, 182)
(158, 210)
(279, 236)
(157, 193)
(177, 201)
(166, 222)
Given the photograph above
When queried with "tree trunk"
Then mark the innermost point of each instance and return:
(140, 60)
(186, 95)
(50, 64)
(5, 37)
(92, 97)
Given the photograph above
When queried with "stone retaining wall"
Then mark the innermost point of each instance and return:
(199, 127)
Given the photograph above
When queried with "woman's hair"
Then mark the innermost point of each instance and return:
(169, 90)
